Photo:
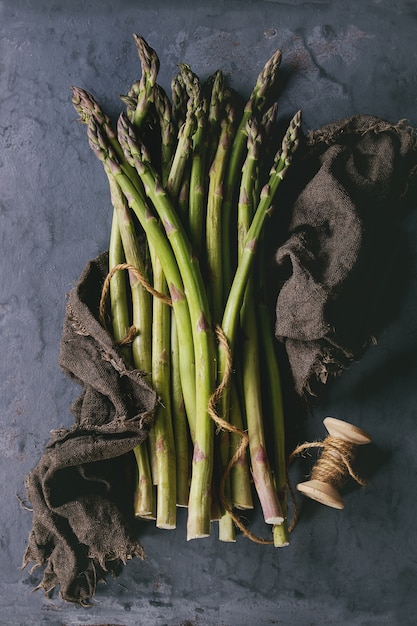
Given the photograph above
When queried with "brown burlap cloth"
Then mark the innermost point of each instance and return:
(81, 490)
(348, 185)
(339, 268)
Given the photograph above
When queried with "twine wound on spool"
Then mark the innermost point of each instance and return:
(335, 462)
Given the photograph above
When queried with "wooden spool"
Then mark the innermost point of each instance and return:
(325, 492)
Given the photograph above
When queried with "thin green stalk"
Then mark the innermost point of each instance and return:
(141, 345)
(119, 306)
(196, 106)
(184, 426)
(240, 479)
(141, 299)
(196, 210)
(249, 178)
(214, 232)
(143, 496)
(218, 96)
(163, 427)
(179, 99)
(261, 471)
(252, 396)
(180, 418)
(168, 456)
(281, 163)
(260, 99)
(168, 130)
(215, 269)
(180, 158)
(141, 93)
(276, 411)
(248, 183)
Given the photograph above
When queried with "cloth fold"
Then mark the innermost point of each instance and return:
(82, 488)
(341, 253)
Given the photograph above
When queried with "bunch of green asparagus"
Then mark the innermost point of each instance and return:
(191, 189)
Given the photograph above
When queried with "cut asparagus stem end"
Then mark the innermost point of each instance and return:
(281, 535)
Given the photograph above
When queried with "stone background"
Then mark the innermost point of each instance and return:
(357, 567)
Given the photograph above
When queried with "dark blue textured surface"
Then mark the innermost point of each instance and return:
(357, 567)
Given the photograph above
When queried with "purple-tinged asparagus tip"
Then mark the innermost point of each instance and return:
(114, 167)
(139, 165)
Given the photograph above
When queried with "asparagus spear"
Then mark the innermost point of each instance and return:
(196, 209)
(179, 99)
(167, 126)
(277, 173)
(163, 109)
(141, 350)
(180, 158)
(261, 471)
(219, 94)
(213, 262)
(182, 430)
(275, 410)
(141, 93)
(213, 220)
(274, 401)
(259, 101)
(118, 291)
(143, 496)
(162, 435)
(163, 427)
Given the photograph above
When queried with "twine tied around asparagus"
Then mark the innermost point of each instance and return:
(132, 331)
